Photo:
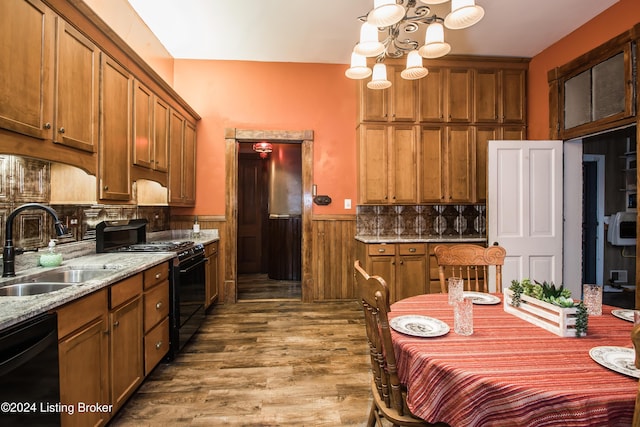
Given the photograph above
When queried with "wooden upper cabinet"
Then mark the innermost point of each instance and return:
(160, 135)
(76, 89)
(459, 95)
(182, 157)
(460, 164)
(484, 134)
(115, 135)
(431, 91)
(189, 165)
(514, 87)
(388, 164)
(143, 109)
(431, 164)
(373, 164)
(486, 95)
(397, 103)
(26, 85)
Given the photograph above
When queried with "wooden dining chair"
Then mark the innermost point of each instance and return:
(389, 396)
(471, 263)
(635, 339)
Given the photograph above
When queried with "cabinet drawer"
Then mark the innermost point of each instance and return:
(125, 290)
(381, 249)
(80, 312)
(211, 249)
(156, 305)
(412, 248)
(156, 345)
(155, 275)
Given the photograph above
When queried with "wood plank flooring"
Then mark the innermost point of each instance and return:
(260, 287)
(265, 363)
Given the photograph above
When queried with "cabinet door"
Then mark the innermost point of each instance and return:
(115, 131)
(484, 134)
(126, 351)
(83, 362)
(373, 164)
(26, 27)
(176, 137)
(373, 104)
(76, 89)
(411, 276)
(402, 95)
(143, 109)
(385, 267)
(486, 95)
(460, 160)
(459, 95)
(160, 135)
(514, 96)
(404, 182)
(431, 90)
(189, 164)
(212, 279)
(431, 164)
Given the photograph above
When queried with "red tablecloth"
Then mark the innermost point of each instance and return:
(510, 372)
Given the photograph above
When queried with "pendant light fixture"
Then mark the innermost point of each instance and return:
(398, 19)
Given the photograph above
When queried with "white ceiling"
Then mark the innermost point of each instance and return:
(325, 31)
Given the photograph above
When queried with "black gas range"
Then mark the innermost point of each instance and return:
(187, 273)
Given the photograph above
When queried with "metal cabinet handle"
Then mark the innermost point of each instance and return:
(116, 323)
(382, 250)
(61, 130)
(158, 345)
(158, 275)
(412, 249)
(47, 126)
(158, 305)
(106, 187)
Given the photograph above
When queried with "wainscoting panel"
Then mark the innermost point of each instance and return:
(333, 256)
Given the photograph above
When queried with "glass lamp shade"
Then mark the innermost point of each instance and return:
(434, 44)
(464, 13)
(433, 1)
(379, 79)
(385, 13)
(369, 44)
(358, 69)
(414, 69)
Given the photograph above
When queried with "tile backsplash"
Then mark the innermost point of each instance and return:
(421, 220)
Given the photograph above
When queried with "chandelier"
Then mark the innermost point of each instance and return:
(396, 21)
(264, 148)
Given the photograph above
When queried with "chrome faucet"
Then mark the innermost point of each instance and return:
(9, 253)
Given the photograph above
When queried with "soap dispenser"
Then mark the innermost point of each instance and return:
(51, 258)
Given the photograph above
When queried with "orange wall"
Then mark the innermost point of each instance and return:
(272, 96)
(617, 19)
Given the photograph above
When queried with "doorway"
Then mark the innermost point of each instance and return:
(232, 137)
(269, 221)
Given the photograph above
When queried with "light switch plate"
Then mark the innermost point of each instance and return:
(347, 203)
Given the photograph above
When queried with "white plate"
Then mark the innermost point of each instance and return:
(623, 314)
(481, 298)
(619, 359)
(419, 326)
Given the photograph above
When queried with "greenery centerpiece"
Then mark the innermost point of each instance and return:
(548, 292)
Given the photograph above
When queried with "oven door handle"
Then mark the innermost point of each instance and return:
(193, 266)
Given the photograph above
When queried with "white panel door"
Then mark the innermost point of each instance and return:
(525, 208)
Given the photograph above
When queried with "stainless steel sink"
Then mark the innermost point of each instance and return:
(71, 276)
(26, 289)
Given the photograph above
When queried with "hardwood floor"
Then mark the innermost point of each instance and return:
(260, 287)
(265, 363)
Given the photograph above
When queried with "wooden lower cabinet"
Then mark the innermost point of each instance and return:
(402, 265)
(109, 341)
(212, 290)
(84, 358)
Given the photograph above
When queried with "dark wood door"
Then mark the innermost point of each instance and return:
(252, 213)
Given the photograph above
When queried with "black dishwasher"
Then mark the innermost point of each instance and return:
(29, 374)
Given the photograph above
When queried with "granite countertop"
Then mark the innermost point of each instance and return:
(423, 239)
(82, 255)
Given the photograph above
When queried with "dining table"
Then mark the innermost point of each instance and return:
(510, 372)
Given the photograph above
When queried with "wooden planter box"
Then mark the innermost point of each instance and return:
(558, 320)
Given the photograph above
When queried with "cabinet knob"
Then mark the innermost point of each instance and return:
(382, 250)
(412, 249)
(106, 188)
(116, 323)
(158, 345)
(158, 305)
(61, 130)
(158, 275)
(47, 126)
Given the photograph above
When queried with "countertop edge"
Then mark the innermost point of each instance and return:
(444, 239)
